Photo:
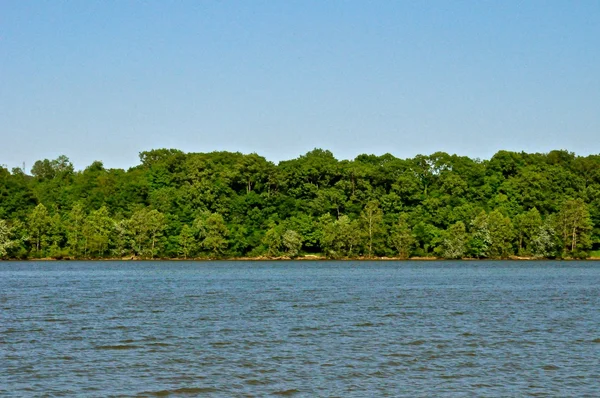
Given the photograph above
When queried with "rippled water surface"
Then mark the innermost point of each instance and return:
(300, 328)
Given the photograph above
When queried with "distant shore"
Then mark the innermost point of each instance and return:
(303, 258)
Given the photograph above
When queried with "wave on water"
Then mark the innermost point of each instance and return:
(289, 392)
(179, 391)
(117, 347)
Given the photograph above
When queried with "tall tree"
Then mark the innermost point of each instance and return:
(98, 227)
(213, 233)
(56, 236)
(372, 223)
(575, 226)
(39, 223)
(340, 237)
(6, 241)
(401, 237)
(292, 242)
(74, 225)
(122, 239)
(146, 227)
(273, 240)
(543, 241)
(501, 233)
(527, 226)
(491, 235)
(187, 241)
(156, 225)
(454, 242)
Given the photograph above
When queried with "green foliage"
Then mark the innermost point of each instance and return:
(74, 225)
(544, 240)
(491, 235)
(122, 238)
(50, 169)
(340, 237)
(146, 227)
(223, 204)
(187, 241)
(372, 225)
(454, 242)
(273, 240)
(595, 253)
(574, 225)
(213, 233)
(292, 242)
(39, 223)
(97, 229)
(427, 237)
(501, 234)
(280, 241)
(527, 228)
(6, 241)
(401, 238)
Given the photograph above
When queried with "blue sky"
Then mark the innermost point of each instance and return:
(104, 80)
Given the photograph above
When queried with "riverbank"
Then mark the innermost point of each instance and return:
(308, 257)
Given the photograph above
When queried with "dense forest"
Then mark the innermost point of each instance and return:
(227, 205)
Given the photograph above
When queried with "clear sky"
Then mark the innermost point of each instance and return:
(104, 80)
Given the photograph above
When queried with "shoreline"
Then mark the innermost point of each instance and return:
(301, 258)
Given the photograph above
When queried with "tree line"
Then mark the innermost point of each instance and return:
(223, 205)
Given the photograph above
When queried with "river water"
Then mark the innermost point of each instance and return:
(300, 328)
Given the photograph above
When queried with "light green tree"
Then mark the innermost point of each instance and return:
(481, 239)
(6, 241)
(401, 237)
(454, 242)
(273, 240)
(527, 226)
(291, 242)
(574, 223)
(543, 241)
(146, 226)
(213, 233)
(74, 224)
(156, 226)
(491, 235)
(501, 233)
(340, 237)
(281, 241)
(187, 241)
(122, 238)
(55, 237)
(39, 223)
(98, 228)
(372, 224)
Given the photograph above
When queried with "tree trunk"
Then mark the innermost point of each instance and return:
(520, 242)
(370, 236)
(153, 240)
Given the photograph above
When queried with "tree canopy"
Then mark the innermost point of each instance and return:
(223, 204)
